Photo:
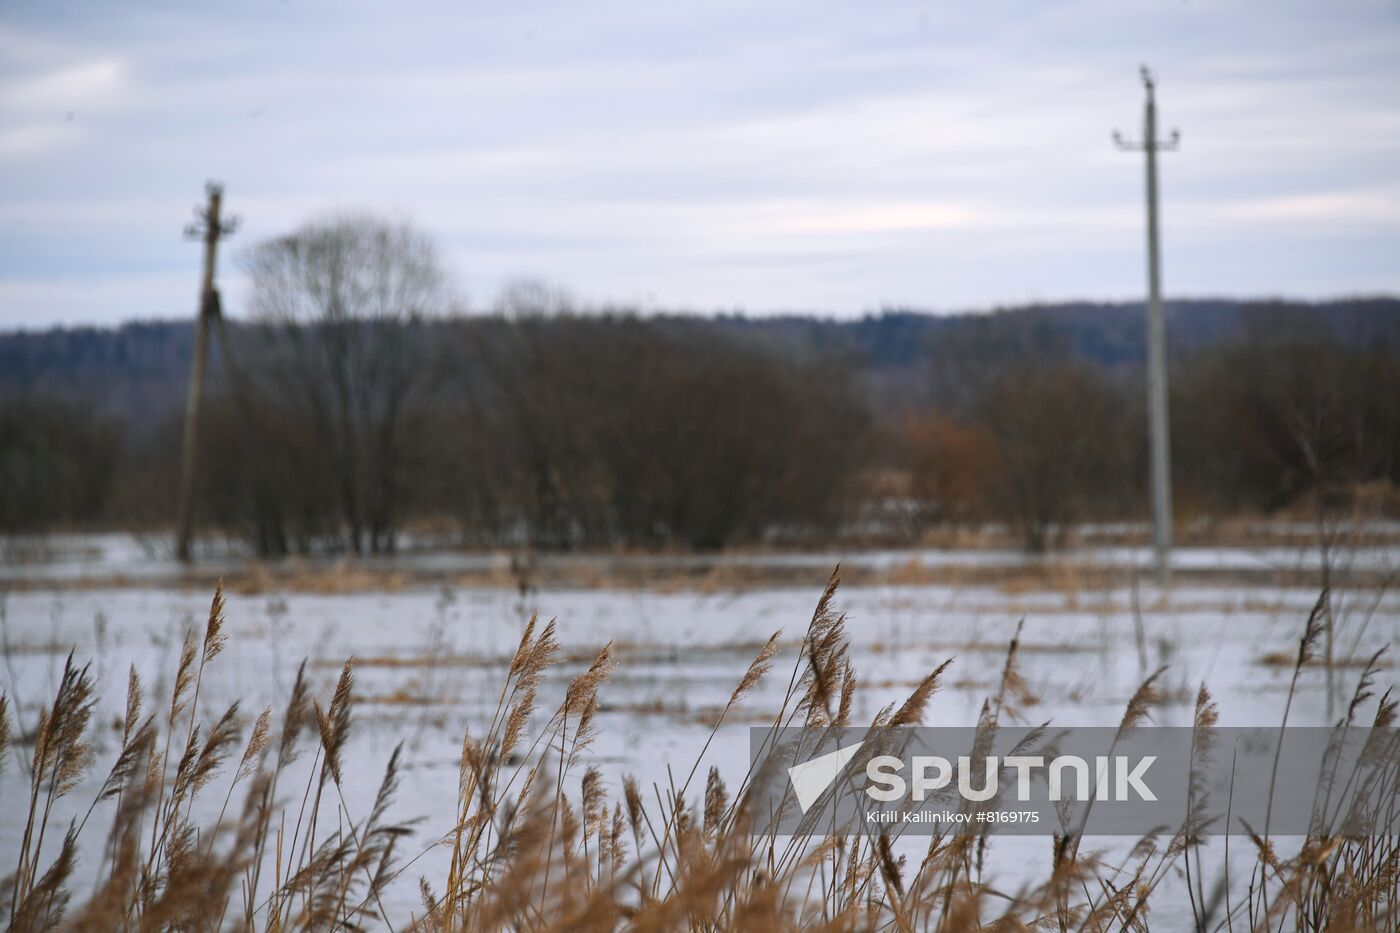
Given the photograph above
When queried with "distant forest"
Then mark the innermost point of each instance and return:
(334, 428)
(138, 372)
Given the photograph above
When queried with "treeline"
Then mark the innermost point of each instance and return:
(57, 464)
(1276, 420)
(558, 432)
(352, 405)
(138, 371)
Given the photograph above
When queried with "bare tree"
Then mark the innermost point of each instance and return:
(57, 462)
(342, 301)
(533, 297)
(1063, 445)
(605, 429)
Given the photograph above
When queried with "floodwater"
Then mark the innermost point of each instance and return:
(430, 658)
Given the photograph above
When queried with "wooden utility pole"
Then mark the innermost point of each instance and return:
(209, 228)
(1156, 337)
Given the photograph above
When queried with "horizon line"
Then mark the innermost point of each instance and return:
(620, 309)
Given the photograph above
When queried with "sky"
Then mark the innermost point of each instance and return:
(822, 156)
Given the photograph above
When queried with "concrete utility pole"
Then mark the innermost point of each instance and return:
(1156, 337)
(209, 228)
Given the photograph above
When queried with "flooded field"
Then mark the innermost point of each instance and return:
(430, 652)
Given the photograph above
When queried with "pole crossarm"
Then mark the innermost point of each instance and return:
(206, 219)
(1170, 144)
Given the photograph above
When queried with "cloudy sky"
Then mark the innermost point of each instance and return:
(761, 155)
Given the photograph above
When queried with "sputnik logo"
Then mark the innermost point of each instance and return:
(811, 778)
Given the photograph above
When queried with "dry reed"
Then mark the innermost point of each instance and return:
(527, 853)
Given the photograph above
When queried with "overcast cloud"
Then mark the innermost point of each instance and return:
(827, 156)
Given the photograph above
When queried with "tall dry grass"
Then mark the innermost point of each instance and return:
(537, 843)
